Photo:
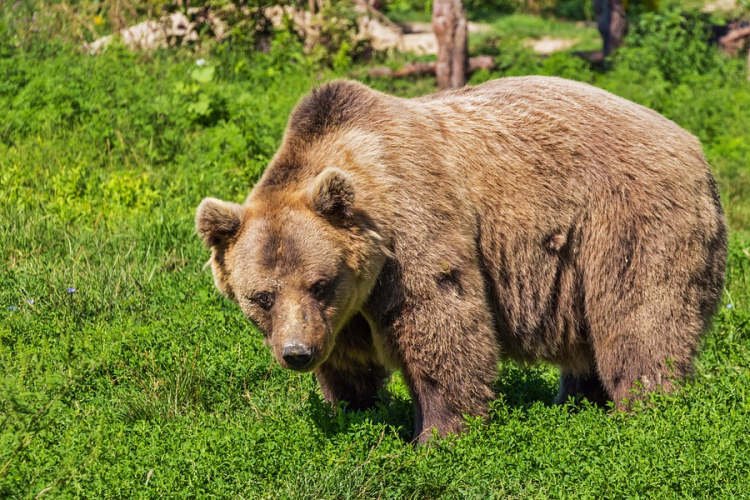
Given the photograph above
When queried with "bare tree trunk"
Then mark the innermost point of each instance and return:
(612, 23)
(618, 26)
(451, 30)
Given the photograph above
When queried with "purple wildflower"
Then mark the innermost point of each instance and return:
(71, 290)
(17, 4)
(12, 308)
(30, 301)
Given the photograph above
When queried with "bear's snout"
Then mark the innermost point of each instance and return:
(297, 356)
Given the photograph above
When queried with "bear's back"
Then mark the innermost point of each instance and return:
(562, 124)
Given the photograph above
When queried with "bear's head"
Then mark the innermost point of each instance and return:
(298, 263)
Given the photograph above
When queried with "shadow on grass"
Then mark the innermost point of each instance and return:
(521, 386)
(524, 385)
(392, 411)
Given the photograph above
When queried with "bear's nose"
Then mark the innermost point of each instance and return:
(296, 356)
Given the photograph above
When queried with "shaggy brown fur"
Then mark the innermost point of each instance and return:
(531, 218)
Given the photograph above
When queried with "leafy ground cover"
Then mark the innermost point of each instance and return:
(124, 374)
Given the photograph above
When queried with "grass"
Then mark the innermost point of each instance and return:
(410, 16)
(124, 374)
(526, 26)
(517, 28)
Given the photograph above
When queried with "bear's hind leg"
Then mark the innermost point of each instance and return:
(650, 286)
(630, 367)
(352, 373)
(588, 386)
(644, 343)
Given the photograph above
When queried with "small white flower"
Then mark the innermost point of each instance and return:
(200, 62)
(729, 306)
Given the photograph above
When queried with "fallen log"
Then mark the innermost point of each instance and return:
(428, 68)
(735, 40)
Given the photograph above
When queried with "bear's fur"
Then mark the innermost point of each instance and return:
(530, 218)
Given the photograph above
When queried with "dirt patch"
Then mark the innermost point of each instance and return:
(547, 45)
(419, 38)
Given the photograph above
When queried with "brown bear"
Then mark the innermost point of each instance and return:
(529, 218)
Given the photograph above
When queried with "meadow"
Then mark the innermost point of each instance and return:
(125, 374)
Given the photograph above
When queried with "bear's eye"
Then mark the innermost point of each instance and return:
(319, 289)
(263, 299)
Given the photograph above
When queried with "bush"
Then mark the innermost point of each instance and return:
(146, 115)
(575, 10)
(670, 44)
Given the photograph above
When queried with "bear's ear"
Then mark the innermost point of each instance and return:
(332, 194)
(218, 221)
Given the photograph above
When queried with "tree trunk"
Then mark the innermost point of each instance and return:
(612, 23)
(451, 30)
(618, 26)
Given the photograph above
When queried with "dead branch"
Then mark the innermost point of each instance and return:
(735, 40)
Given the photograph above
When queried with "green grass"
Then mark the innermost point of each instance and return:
(410, 16)
(520, 27)
(145, 383)
(526, 26)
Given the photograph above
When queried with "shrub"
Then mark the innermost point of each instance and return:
(671, 44)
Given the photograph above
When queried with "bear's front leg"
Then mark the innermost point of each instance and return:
(448, 355)
(352, 373)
